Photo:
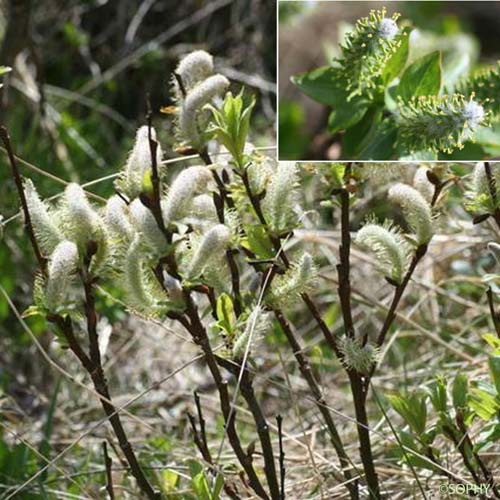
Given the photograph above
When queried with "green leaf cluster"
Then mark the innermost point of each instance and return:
(231, 124)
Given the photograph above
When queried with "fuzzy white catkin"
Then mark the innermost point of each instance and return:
(260, 171)
(255, 326)
(203, 93)
(144, 222)
(62, 265)
(212, 245)
(416, 209)
(379, 174)
(280, 198)
(46, 231)
(387, 29)
(422, 184)
(116, 217)
(479, 179)
(188, 183)
(298, 279)
(195, 67)
(388, 246)
(356, 356)
(82, 223)
(480, 183)
(138, 163)
(203, 207)
(137, 293)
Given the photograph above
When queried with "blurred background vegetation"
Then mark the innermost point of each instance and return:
(81, 75)
(460, 29)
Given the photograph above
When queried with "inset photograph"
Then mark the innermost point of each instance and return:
(410, 81)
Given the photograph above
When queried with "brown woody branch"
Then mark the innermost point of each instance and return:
(493, 313)
(355, 378)
(305, 370)
(42, 261)
(109, 476)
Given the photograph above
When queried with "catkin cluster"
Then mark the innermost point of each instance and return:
(195, 87)
(391, 248)
(159, 243)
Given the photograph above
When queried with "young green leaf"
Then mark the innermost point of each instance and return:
(322, 85)
(225, 313)
(438, 396)
(258, 241)
(494, 364)
(484, 404)
(347, 115)
(360, 135)
(231, 124)
(413, 409)
(382, 145)
(423, 77)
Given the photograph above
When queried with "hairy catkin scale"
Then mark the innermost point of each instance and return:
(62, 266)
(195, 67)
(82, 224)
(380, 174)
(190, 182)
(281, 195)
(416, 209)
(202, 210)
(389, 247)
(117, 219)
(256, 325)
(45, 227)
(212, 245)
(138, 293)
(422, 184)
(479, 196)
(139, 162)
(260, 171)
(298, 279)
(430, 123)
(356, 356)
(191, 107)
(144, 222)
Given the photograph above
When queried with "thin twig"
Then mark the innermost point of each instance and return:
(97, 374)
(494, 314)
(109, 476)
(200, 439)
(467, 442)
(343, 268)
(248, 394)
(279, 421)
(306, 372)
(42, 261)
(155, 179)
(200, 336)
